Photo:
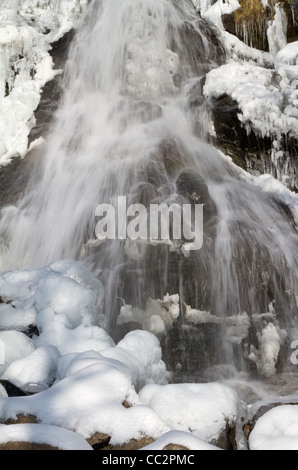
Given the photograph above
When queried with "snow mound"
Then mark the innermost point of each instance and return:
(181, 438)
(203, 408)
(90, 400)
(276, 430)
(43, 434)
(14, 346)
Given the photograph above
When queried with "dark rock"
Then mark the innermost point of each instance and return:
(133, 444)
(99, 441)
(13, 446)
(22, 419)
(12, 390)
(175, 447)
(227, 438)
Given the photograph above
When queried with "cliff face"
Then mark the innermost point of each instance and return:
(253, 96)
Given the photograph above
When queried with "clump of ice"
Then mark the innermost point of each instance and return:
(270, 340)
(276, 430)
(199, 317)
(27, 29)
(158, 316)
(277, 30)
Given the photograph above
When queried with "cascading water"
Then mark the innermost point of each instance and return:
(133, 122)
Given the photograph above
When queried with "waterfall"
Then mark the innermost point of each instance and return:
(133, 122)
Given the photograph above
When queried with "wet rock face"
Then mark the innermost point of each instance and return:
(250, 151)
(52, 90)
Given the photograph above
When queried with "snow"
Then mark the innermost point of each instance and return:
(15, 345)
(79, 379)
(203, 408)
(180, 438)
(276, 430)
(43, 434)
(263, 84)
(38, 369)
(262, 103)
(288, 54)
(27, 29)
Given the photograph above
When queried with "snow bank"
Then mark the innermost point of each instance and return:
(91, 400)
(27, 28)
(43, 434)
(64, 301)
(203, 408)
(87, 384)
(181, 438)
(276, 430)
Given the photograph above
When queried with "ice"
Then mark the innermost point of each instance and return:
(263, 84)
(27, 29)
(198, 317)
(42, 434)
(158, 317)
(91, 400)
(260, 100)
(276, 430)
(270, 340)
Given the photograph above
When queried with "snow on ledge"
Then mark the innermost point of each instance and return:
(27, 30)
